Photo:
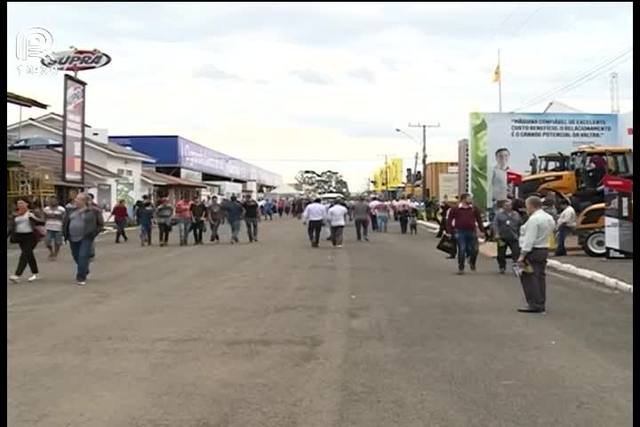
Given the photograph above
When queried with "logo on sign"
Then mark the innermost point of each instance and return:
(34, 42)
(76, 60)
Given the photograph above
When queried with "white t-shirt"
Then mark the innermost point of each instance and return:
(314, 212)
(336, 215)
(23, 225)
(54, 218)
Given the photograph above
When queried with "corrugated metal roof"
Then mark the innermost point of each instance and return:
(23, 101)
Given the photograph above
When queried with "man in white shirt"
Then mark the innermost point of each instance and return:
(534, 250)
(54, 215)
(314, 214)
(337, 216)
(566, 224)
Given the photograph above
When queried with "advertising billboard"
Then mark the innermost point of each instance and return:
(447, 185)
(501, 142)
(73, 130)
(391, 172)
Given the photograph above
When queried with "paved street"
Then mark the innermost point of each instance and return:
(278, 334)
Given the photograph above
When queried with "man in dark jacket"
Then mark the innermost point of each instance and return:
(444, 209)
(235, 212)
(462, 223)
(214, 214)
(198, 213)
(506, 228)
(80, 229)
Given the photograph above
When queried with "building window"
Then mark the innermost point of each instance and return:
(129, 172)
(121, 172)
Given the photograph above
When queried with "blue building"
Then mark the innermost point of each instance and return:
(179, 157)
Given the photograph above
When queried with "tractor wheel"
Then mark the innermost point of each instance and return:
(594, 245)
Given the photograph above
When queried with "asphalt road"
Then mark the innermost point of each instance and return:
(279, 334)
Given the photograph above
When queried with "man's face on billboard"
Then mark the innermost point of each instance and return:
(502, 159)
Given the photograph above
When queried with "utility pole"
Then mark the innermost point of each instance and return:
(424, 157)
(415, 171)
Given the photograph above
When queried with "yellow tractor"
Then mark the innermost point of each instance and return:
(581, 184)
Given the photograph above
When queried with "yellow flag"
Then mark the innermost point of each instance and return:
(496, 74)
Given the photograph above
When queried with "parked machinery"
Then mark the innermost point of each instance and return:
(582, 184)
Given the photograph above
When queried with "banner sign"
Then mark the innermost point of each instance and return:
(198, 158)
(76, 60)
(73, 130)
(447, 185)
(501, 142)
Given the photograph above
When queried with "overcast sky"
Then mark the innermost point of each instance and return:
(323, 86)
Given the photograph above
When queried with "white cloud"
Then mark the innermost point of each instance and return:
(209, 71)
(363, 74)
(310, 76)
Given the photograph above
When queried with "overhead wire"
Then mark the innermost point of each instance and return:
(582, 79)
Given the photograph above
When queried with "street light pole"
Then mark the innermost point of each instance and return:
(424, 157)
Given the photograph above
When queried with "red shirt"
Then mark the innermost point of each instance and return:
(464, 218)
(120, 213)
(183, 209)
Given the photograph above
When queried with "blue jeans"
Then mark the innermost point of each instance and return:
(252, 228)
(563, 230)
(467, 247)
(235, 229)
(382, 222)
(54, 238)
(81, 251)
(183, 226)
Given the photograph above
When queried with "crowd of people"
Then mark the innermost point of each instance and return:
(376, 213)
(527, 229)
(81, 221)
(78, 224)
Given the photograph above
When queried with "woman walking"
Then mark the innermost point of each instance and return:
(24, 230)
(164, 215)
(81, 228)
(121, 216)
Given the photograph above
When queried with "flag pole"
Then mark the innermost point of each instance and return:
(499, 84)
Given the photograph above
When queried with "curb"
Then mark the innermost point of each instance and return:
(594, 276)
(583, 273)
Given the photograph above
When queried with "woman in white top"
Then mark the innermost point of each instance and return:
(22, 230)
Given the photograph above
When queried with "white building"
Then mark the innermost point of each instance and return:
(126, 164)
